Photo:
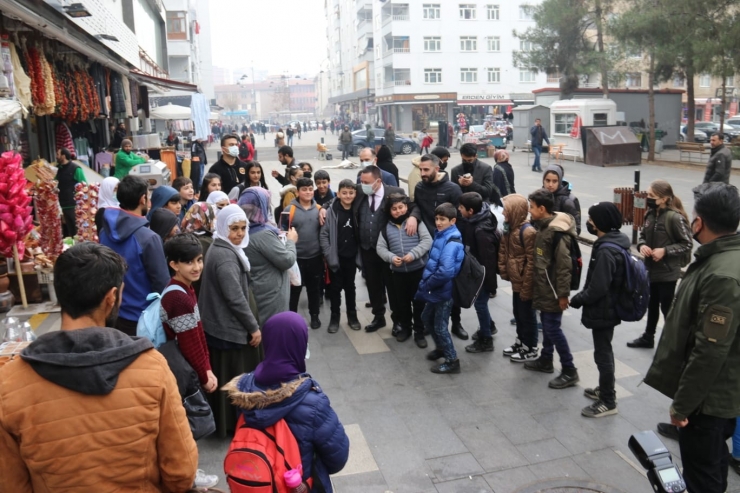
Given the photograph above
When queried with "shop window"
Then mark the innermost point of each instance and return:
(468, 43)
(467, 11)
(525, 13)
(492, 12)
(494, 75)
(705, 80)
(176, 25)
(493, 43)
(601, 120)
(564, 122)
(469, 75)
(432, 43)
(432, 75)
(527, 76)
(431, 11)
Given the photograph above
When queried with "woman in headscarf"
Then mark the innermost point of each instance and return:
(106, 198)
(164, 223)
(229, 319)
(280, 388)
(385, 161)
(219, 199)
(269, 256)
(200, 220)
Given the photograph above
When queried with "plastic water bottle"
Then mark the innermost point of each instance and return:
(294, 480)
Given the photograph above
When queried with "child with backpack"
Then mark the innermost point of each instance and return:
(606, 272)
(516, 265)
(665, 243)
(478, 227)
(407, 256)
(555, 272)
(281, 399)
(435, 288)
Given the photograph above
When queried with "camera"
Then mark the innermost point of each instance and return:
(662, 473)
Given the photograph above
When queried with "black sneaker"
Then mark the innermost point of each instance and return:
(598, 410)
(315, 322)
(435, 354)
(420, 340)
(568, 377)
(334, 324)
(459, 332)
(404, 334)
(447, 367)
(593, 393)
(524, 354)
(668, 430)
(642, 342)
(514, 348)
(545, 366)
(482, 345)
(352, 321)
(475, 335)
(396, 329)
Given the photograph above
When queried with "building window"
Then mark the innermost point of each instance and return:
(467, 11)
(431, 11)
(432, 43)
(494, 75)
(469, 75)
(526, 76)
(705, 80)
(601, 120)
(525, 45)
(494, 43)
(468, 43)
(730, 81)
(492, 12)
(176, 25)
(564, 122)
(678, 81)
(634, 79)
(524, 13)
(432, 75)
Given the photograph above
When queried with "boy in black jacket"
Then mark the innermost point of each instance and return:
(478, 229)
(605, 276)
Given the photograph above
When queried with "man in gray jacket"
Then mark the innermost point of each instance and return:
(720, 161)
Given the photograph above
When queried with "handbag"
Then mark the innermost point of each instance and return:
(199, 413)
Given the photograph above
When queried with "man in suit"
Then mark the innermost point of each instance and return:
(369, 207)
(369, 158)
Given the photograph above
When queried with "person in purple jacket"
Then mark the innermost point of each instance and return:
(280, 388)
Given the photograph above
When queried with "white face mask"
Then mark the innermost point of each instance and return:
(234, 151)
(367, 189)
(365, 164)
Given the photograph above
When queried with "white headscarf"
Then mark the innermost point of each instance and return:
(216, 197)
(226, 217)
(107, 196)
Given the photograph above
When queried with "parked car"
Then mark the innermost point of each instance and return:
(729, 130)
(699, 136)
(403, 145)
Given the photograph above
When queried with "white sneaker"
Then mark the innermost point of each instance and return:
(203, 480)
(514, 348)
(524, 354)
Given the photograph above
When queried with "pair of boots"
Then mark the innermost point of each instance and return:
(646, 341)
(568, 376)
(352, 321)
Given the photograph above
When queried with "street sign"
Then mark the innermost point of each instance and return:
(729, 92)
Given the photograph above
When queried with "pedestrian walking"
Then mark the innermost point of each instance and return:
(720, 161)
(345, 140)
(537, 134)
(389, 139)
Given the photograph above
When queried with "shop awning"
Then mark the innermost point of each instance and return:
(167, 84)
(170, 112)
(484, 102)
(9, 110)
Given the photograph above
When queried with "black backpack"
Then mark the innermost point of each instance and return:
(469, 281)
(631, 302)
(575, 259)
(243, 151)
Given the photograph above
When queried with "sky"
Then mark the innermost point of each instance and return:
(278, 35)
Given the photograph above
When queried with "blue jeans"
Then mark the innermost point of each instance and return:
(736, 441)
(554, 338)
(537, 151)
(435, 317)
(526, 321)
(484, 315)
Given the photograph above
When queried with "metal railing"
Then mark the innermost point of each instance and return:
(400, 17)
(401, 50)
(404, 82)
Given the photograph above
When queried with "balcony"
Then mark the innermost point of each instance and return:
(405, 82)
(395, 12)
(402, 50)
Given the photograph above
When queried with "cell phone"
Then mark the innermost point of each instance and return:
(467, 176)
(285, 220)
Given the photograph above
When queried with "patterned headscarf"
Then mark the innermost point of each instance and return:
(200, 219)
(255, 201)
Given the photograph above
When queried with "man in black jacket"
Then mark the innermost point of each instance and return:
(473, 175)
(565, 201)
(537, 134)
(231, 170)
(285, 156)
(605, 277)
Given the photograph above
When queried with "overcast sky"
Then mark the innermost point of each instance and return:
(278, 35)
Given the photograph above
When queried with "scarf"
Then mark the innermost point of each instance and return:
(215, 197)
(107, 197)
(226, 217)
(285, 340)
(255, 201)
(200, 219)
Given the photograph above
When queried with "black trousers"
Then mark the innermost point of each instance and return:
(604, 359)
(378, 280)
(704, 453)
(311, 272)
(661, 297)
(343, 279)
(69, 228)
(407, 309)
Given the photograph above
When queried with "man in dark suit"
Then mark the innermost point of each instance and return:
(369, 208)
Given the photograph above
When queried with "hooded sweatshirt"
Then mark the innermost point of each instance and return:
(565, 201)
(108, 401)
(428, 195)
(306, 224)
(552, 263)
(160, 197)
(480, 233)
(162, 222)
(127, 235)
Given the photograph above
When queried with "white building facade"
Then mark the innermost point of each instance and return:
(432, 60)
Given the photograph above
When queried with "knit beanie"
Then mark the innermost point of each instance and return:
(605, 216)
(554, 168)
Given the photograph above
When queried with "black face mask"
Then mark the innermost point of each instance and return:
(591, 229)
(695, 235)
(442, 166)
(306, 174)
(651, 203)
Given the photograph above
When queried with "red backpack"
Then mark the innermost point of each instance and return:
(258, 459)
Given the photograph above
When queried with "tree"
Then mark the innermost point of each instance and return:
(559, 43)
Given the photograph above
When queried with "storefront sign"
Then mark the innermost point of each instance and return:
(426, 96)
(482, 99)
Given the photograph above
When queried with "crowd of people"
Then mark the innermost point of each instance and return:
(231, 272)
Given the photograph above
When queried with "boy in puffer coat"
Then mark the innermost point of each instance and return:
(407, 256)
(435, 288)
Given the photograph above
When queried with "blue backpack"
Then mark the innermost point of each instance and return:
(631, 302)
(150, 323)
